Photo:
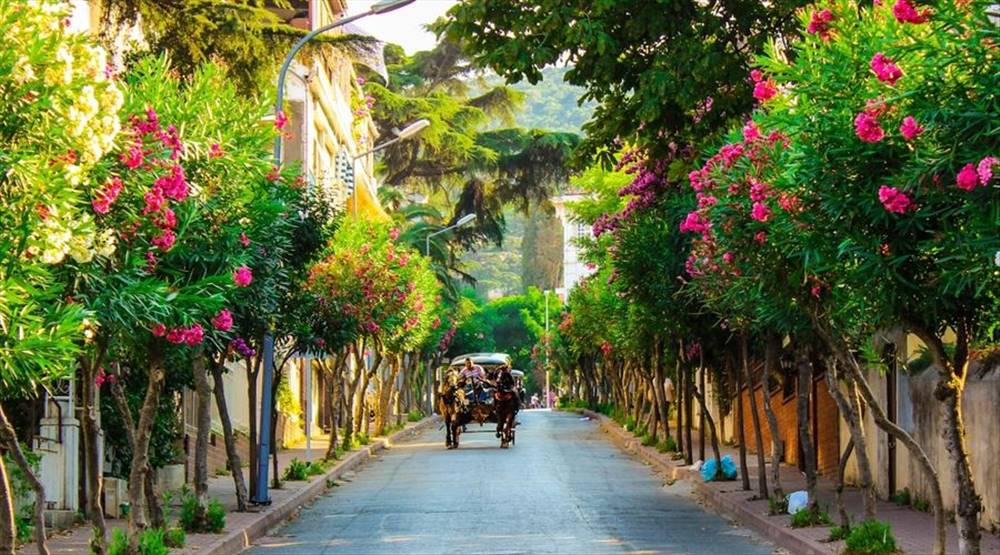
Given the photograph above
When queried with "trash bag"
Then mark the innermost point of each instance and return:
(709, 470)
(797, 500)
(696, 466)
(728, 467)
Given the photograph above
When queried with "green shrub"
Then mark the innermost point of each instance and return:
(414, 416)
(922, 505)
(902, 497)
(214, 515)
(806, 518)
(838, 533)
(629, 424)
(777, 505)
(363, 439)
(648, 440)
(174, 538)
(24, 526)
(151, 542)
(870, 538)
(296, 471)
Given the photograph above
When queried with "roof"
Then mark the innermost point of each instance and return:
(482, 358)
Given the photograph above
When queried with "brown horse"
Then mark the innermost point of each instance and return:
(506, 404)
(451, 405)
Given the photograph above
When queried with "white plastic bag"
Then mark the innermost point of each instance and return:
(696, 466)
(797, 500)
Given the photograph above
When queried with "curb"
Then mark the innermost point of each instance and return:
(235, 541)
(780, 535)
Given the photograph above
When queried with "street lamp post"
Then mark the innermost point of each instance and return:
(548, 403)
(427, 252)
(262, 495)
(406, 133)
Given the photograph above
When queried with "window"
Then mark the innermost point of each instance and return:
(582, 230)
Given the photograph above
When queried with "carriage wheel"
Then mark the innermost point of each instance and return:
(513, 436)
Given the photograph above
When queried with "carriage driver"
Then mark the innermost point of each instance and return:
(474, 375)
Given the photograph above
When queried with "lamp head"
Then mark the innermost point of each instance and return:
(465, 219)
(383, 6)
(413, 129)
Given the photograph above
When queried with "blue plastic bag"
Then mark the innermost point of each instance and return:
(709, 470)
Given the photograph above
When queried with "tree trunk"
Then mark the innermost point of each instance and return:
(8, 531)
(659, 379)
(771, 354)
(154, 510)
(741, 433)
(138, 518)
(700, 396)
(203, 415)
(388, 387)
(851, 413)
(949, 391)
(845, 519)
(755, 418)
(14, 448)
(805, 369)
(232, 454)
(703, 410)
(252, 369)
(272, 440)
(679, 402)
(92, 457)
(839, 348)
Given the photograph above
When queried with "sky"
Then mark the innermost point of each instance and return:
(404, 26)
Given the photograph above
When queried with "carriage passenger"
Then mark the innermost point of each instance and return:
(474, 375)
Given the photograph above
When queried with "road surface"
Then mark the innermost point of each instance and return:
(561, 489)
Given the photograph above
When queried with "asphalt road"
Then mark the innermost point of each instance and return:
(561, 489)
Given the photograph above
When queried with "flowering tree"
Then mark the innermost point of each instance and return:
(383, 295)
(58, 119)
(889, 157)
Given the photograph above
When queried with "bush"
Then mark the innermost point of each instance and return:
(174, 538)
(629, 424)
(871, 538)
(414, 416)
(648, 440)
(297, 471)
(922, 505)
(777, 505)
(363, 439)
(838, 533)
(902, 497)
(806, 518)
(213, 515)
(151, 542)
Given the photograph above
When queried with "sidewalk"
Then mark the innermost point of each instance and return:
(914, 530)
(243, 528)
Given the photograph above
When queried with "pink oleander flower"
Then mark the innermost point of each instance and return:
(905, 12)
(165, 241)
(816, 290)
(750, 131)
(215, 151)
(758, 191)
(394, 233)
(274, 175)
(967, 178)
(194, 335)
(867, 128)
(910, 129)
(756, 75)
(404, 259)
(280, 120)
(694, 223)
(150, 262)
(177, 335)
(760, 237)
(159, 330)
(730, 153)
(985, 169)
(893, 199)
(244, 240)
(706, 200)
(223, 321)
(134, 157)
(154, 200)
(885, 69)
(169, 219)
(760, 212)
(765, 90)
(242, 276)
(819, 24)
(728, 257)
(789, 203)
(174, 185)
(101, 204)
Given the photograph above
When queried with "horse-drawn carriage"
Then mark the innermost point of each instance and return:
(496, 397)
